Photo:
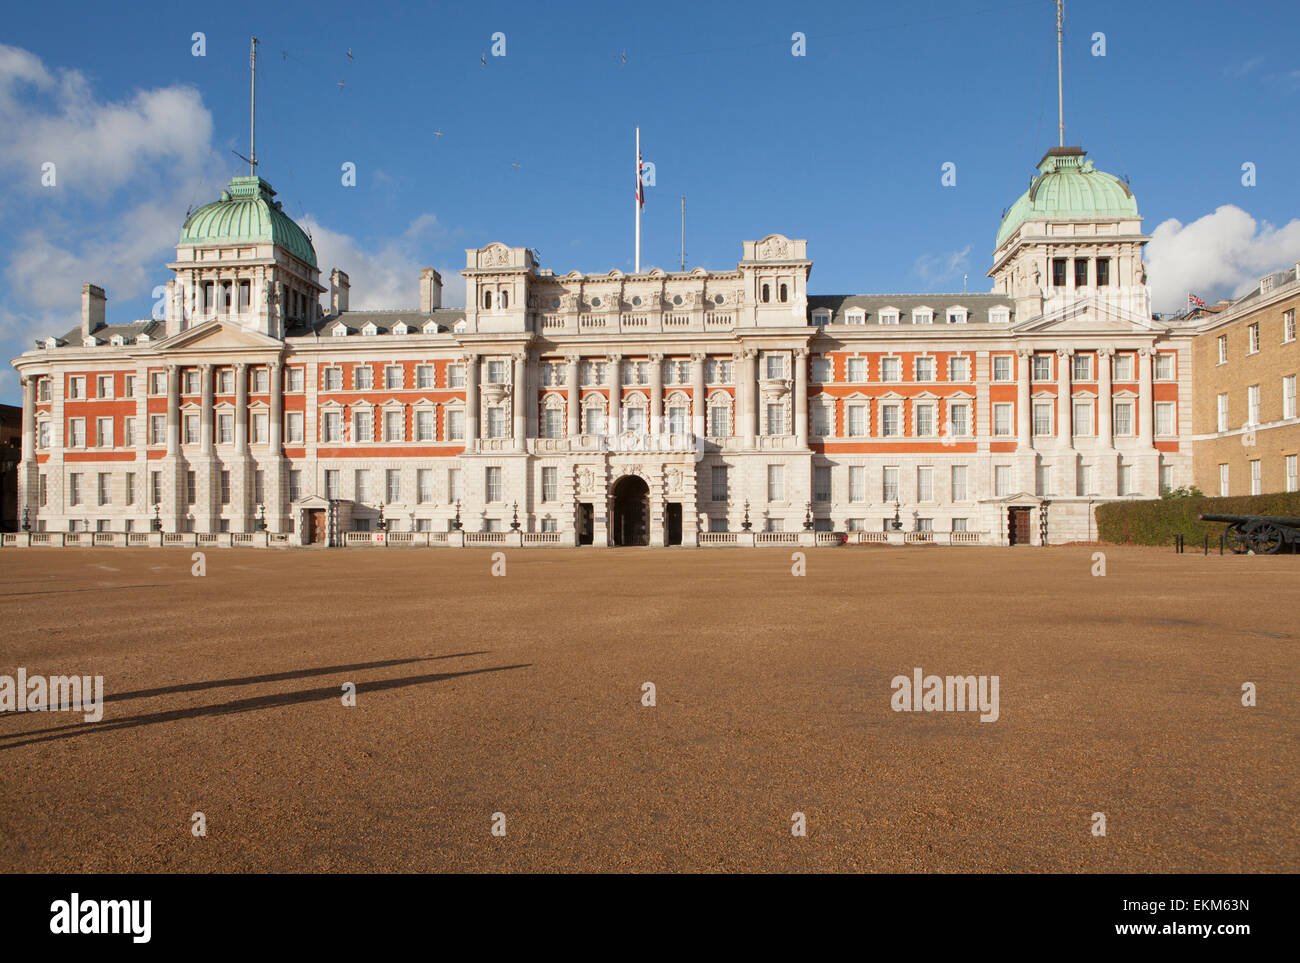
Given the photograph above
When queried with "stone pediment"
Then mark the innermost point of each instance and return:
(217, 334)
(1090, 315)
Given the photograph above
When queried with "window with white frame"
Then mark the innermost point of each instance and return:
(424, 485)
(1083, 419)
(190, 429)
(361, 485)
(636, 419)
(889, 316)
(425, 425)
(775, 366)
(1252, 337)
(157, 429)
(392, 485)
(821, 317)
(104, 488)
(1288, 396)
(497, 372)
(1164, 418)
(775, 483)
(1256, 477)
(1002, 368)
(104, 386)
(363, 378)
(821, 491)
(857, 370)
(1002, 419)
(295, 379)
(453, 485)
(393, 378)
(999, 315)
(889, 483)
(424, 377)
(1165, 366)
(958, 482)
(294, 427)
(455, 376)
(74, 488)
(1043, 417)
(891, 420)
(1042, 369)
(891, 369)
(1122, 367)
(496, 422)
(394, 425)
(593, 420)
(455, 424)
(719, 420)
(550, 484)
(333, 379)
(261, 424)
(43, 435)
(1221, 410)
(1223, 480)
(1252, 405)
(923, 418)
(857, 417)
(718, 371)
(592, 372)
(1166, 478)
(553, 423)
(1288, 326)
(1081, 367)
(821, 420)
(261, 381)
(1292, 473)
(1083, 483)
(1001, 480)
(1124, 418)
(821, 370)
(363, 425)
(103, 432)
(855, 316)
(925, 483)
(1044, 479)
(492, 483)
(959, 368)
(857, 483)
(925, 369)
(775, 419)
(959, 418)
(43, 389)
(922, 316)
(1223, 349)
(76, 388)
(956, 315)
(678, 418)
(718, 483)
(332, 426)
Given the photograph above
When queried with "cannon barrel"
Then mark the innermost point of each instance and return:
(1289, 522)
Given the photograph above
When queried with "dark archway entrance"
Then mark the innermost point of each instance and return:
(631, 511)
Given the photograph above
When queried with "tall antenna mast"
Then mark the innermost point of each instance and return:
(1060, 83)
(683, 232)
(251, 159)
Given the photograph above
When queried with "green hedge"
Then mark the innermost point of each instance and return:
(1156, 522)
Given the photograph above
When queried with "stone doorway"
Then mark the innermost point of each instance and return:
(631, 511)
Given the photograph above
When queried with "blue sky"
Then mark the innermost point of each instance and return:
(843, 146)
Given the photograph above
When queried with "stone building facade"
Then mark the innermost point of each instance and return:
(1246, 361)
(615, 408)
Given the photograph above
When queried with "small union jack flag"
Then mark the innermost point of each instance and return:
(640, 189)
(1194, 302)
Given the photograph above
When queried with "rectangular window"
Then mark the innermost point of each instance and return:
(925, 369)
(1223, 480)
(1044, 481)
(192, 382)
(1103, 272)
(776, 419)
(1002, 368)
(76, 389)
(1252, 332)
(424, 485)
(857, 483)
(492, 484)
(635, 420)
(1058, 272)
(1288, 396)
(261, 427)
(890, 369)
(191, 425)
(719, 372)
(890, 426)
(959, 524)
(889, 483)
(424, 427)
(1164, 417)
(130, 488)
(363, 426)
(74, 488)
(1083, 484)
(104, 386)
(332, 426)
(496, 422)
(1081, 367)
(77, 433)
(925, 483)
(821, 420)
(1288, 326)
(392, 485)
(593, 421)
(104, 488)
(296, 380)
(191, 488)
(361, 484)
(821, 483)
(496, 372)
(424, 376)
(959, 483)
(43, 390)
(775, 483)
(1223, 349)
(1165, 366)
(1001, 480)
(1080, 272)
(923, 415)
(857, 369)
(225, 487)
(155, 487)
(225, 381)
(128, 432)
(259, 486)
(678, 418)
(393, 377)
(1083, 418)
(719, 421)
(1166, 478)
(103, 432)
(775, 366)
(453, 484)
(157, 429)
(394, 425)
(295, 484)
(959, 419)
(294, 425)
(821, 371)
(1256, 477)
(550, 484)
(1043, 417)
(225, 429)
(1042, 370)
(718, 490)
(455, 425)
(363, 378)
(43, 435)
(1122, 367)
(333, 379)
(1252, 405)
(1222, 411)
(857, 420)
(1002, 419)
(455, 376)
(1124, 418)
(261, 381)
(1125, 480)
(959, 369)
(1292, 473)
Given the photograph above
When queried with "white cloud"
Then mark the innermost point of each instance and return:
(934, 268)
(387, 276)
(1219, 255)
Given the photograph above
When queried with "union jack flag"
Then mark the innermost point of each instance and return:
(640, 189)
(1194, 302)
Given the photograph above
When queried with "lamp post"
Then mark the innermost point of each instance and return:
(514, 524)
(897, 523)
(746, 523)
(27, 519)
(157, 517)
(807, 517)
(260, 521)
(382, 525)
(455, 525)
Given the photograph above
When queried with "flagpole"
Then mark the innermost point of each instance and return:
(637, 201)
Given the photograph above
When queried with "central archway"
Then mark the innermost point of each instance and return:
(631, 511)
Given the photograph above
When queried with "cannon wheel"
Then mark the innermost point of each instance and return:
(1267, 539)
(1236, 539)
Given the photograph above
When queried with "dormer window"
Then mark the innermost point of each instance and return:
(889, 316)
(821, 316)
(856, 316)
(999, 316)
(922, 316)
(117, 341)
(430, 327)
(339, 330)
(369, 329)
(401, 328)
(956, 315)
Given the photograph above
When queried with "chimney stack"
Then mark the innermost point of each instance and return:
(430, 290)
(93, 300)
(338, 291)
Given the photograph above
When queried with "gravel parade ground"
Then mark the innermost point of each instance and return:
(522, 695)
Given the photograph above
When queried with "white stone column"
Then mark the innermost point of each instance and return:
(1023, 423)
(614, 380)
(699, 401)
(573, 408)
(1064, 428)
(656, 393)
(173, 411)
(801, 397)
(241, 408)
(1144, 410)
(520, 402)
(206, 375)
(1105, 403)
(471, 362)
(29, 419)
(276, 511)
(750, 385)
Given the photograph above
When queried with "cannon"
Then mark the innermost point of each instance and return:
(1261, 534)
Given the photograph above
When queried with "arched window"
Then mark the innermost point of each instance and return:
(785, 294)
(505, 300)
(487, 299)
(767, 294)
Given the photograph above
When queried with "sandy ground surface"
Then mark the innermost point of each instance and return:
(522, 695)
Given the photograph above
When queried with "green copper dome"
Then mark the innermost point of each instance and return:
(1068, 186)
(246, 213)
